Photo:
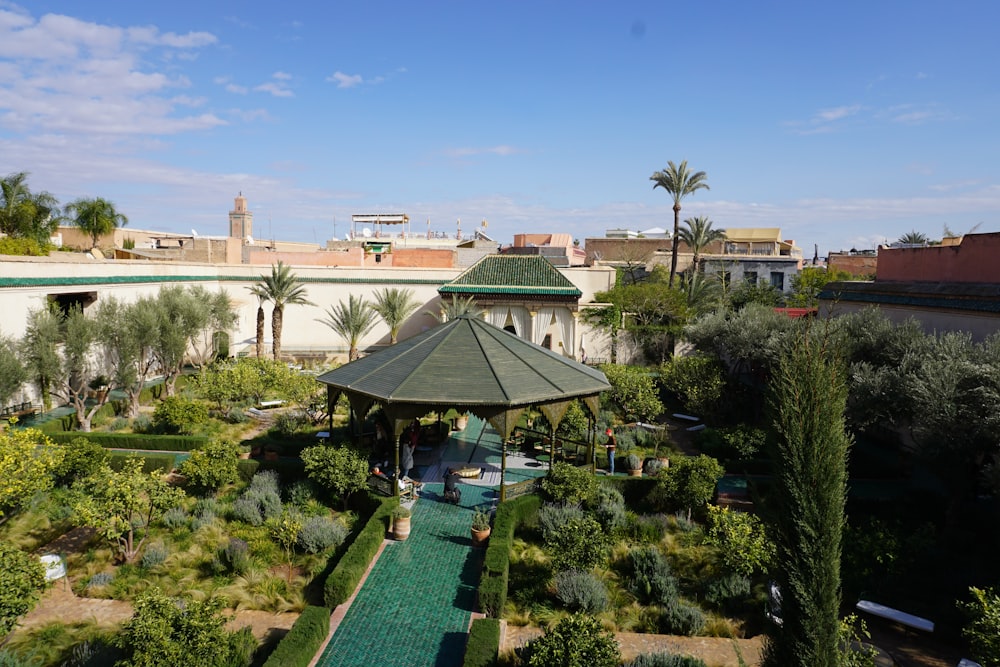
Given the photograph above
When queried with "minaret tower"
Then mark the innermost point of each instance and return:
(240, 219)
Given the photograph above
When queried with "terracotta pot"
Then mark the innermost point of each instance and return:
(479, 537)
(461, 422)
(664, 460)
(635, 473)
(401, 528)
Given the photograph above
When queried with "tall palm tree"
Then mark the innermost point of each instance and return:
(283, 288)
(96, 217)
(698, 235)
(394, 305)
(351, 321)
(680, 182)
(262, 298)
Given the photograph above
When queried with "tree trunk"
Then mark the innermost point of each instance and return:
(673, 253)
(276, 321)
(260, 331)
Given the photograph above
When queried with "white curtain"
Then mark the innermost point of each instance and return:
(522, 321)
(497, 315)
(567, 331)
(541, 324)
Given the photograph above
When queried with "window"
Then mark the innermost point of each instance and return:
(750, 277)
(547, 342)
(778, 280)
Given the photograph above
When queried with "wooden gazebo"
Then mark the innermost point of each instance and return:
(469, 365)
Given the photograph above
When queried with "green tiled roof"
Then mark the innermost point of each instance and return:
(512, 274)
(467, 362)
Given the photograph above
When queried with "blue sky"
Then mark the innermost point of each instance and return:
(845, 124)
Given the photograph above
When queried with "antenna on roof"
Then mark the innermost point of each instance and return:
(194, 233)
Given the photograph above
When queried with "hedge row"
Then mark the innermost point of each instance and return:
(150, 462)
(142, 441)
(344, 579)
(484, 643)
(299, 646)
(496, 564)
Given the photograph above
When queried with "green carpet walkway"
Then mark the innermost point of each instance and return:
(414, 608)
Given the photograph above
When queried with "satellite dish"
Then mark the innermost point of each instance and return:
(367, 233)
(249, 240)
(194, 233)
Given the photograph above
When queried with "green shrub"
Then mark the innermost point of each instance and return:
(117, 424)
(175, 517)
(179, 414)
(319, 533)
(235, 557)
(212, 466)
(20, 245)
(22, 579)
(483, 644)
(553, 516)
(301, 492)
(726, 590)
(575, 640)
(247, 468)
(665, 660)
(610, 510)
(652, 581)
(155, 554)
(137, 441)
(579, 544)
(81, 457)
(493, 594)
(566, 483)
(302, 642)
(496, 564)
(248, 511)
(681, 619)
(150, 462)
(142, 423)
(581, 591)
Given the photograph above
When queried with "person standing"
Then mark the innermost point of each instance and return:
(406, 459)
(611, 445)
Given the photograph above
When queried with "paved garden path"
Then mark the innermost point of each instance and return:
(415, 606)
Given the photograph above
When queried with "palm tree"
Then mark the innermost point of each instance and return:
(457, 308)
(283, 288)
(262, 298)
(679, 182)
(916, 238)
(96, 217)
(24, 214)
(394, 305)
(698, 235)
(351, 321)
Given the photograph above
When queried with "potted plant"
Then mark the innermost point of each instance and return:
(401, 522)
(634, 465)
(480, 527)
(461, 421)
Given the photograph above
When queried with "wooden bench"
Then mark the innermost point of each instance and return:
(895, 615)
(264, 405)
(383, 485)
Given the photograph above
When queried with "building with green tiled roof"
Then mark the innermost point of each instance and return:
(523, 294)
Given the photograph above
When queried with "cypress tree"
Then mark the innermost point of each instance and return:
(808, 397)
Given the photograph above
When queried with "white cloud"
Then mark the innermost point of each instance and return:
(237, 89)
(836, 113)
(345, 80)
(281, 76)
(274, 88)
(61, 74)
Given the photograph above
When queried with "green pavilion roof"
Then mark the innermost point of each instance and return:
(467, 362)
(512, 274)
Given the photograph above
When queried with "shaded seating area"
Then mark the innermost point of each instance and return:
(471, 366)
